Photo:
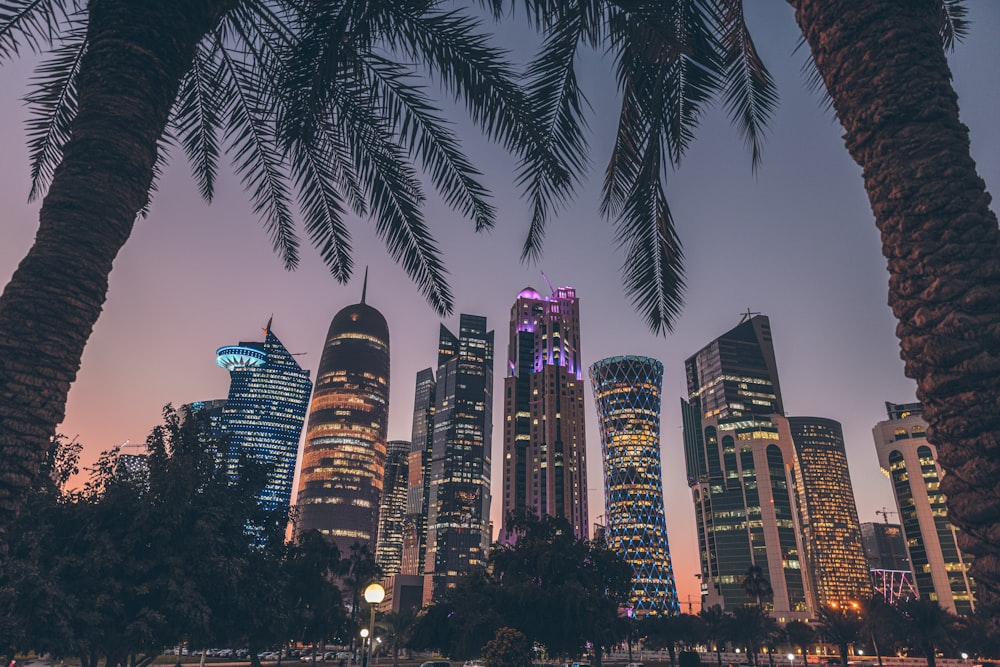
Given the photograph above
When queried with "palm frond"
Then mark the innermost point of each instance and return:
(813, 79)
(36, 23)
(163, 144)
(420, 126)
(394, 193)
(322, 207)
(750, 93)
(250, 132)
(652, 271)
(554, 91)
(52, 100)
(954, 24)
(626, 159)
(196, 117)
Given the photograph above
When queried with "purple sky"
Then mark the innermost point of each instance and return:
(796, 242)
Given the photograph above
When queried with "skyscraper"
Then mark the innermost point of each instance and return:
(458, 516)
(344, 455)
(392, 507)
(419, 467)
(627, 393)
(739, 454)
(544, 447)
(828, 512)
(940, 569)
(263, 414)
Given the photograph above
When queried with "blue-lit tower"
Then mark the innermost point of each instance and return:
(627, 397)
(263, 415)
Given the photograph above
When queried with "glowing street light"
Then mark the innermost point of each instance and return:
(374, 594)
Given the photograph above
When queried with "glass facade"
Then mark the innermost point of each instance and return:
(831, 530)
(419, 488)
(740, 462)
(263, 414)
(458, 515)
(627, 394)
(343, 460)
(940, 568)
(392, 507)
(544, 443)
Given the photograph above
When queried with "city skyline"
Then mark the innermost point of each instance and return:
(800, 246)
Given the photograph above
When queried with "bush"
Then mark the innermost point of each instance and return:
(509, 648)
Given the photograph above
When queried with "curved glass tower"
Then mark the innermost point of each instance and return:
(343, 460)
(262, 417)
(627, 396)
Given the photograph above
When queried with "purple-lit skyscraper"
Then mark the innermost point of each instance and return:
(545, 451)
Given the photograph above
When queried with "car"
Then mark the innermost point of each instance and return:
(635, 664)
(435, 663)
(474, 663)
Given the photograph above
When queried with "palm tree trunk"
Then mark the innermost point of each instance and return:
(884, 66)
(137, 53)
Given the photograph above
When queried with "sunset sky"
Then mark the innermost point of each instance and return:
(796, 242)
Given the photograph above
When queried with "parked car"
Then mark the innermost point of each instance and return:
(435, 663)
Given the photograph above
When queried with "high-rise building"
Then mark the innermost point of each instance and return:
(343, 459)
(885, 550)
(544, 447)
(828, 513)
(739, 454)
(940, 568)
(263, 414)
(419, 468)
(458, 516)
(392, 507)
(627, 394)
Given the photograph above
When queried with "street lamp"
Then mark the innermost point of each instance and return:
(374, 594)
(791, 659)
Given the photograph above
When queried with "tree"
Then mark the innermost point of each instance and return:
(841, 625)
(716, 626)
(800, 635)
(757, 586)
(668, 631)
(510, 648)
(926, 627)
(397, 629)
(358, 569)
(313, 100)
(751, 628)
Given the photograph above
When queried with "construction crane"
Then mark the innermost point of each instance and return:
(885, 514)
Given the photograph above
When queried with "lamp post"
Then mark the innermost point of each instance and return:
(374, 594)
(364, 636)
(791, 660)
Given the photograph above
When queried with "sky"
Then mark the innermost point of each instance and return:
(795, 241)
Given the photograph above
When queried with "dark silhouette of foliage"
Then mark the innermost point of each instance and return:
(509, 648)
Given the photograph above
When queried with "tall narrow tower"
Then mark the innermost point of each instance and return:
(392, 507)
(831, 532)
(740, 460)
(419, 469)
(940, 568)
(627, 393)
(544, 446)
(344, 455)
(263, 414)
(458, 514)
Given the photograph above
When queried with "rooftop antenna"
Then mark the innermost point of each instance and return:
(267, 328)
(546, 279)
(364, 286)
(747, 316)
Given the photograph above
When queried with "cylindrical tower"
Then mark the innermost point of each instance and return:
(627, 397)
(343, 460)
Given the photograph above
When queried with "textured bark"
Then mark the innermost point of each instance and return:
(138, 52)
(884, 66)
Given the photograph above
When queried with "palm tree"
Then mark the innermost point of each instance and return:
(926, 626)
(397, 629)
(884, 67)
(841, 625)
(716, 625)
(751, 628)
(757, 586)
(800, 635)
(316, 101)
